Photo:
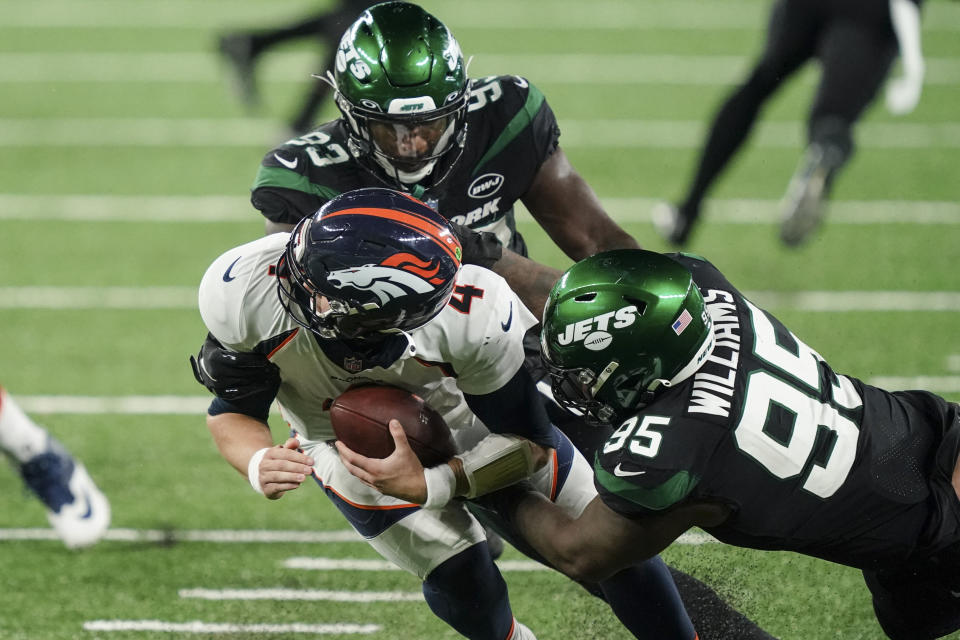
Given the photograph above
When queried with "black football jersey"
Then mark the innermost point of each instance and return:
(809, 460)
(511, 131)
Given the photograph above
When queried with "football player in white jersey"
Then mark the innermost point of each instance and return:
(370, 290)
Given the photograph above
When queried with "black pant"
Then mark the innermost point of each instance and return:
(920, 601)
(855, 44)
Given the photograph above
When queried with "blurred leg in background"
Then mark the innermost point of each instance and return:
(791, 41)
(242, 49)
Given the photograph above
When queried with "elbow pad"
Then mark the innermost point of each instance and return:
(496, 462)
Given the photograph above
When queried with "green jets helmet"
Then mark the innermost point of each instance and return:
(619, 325)
(402, 87)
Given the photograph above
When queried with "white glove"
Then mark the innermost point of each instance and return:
(903, 94)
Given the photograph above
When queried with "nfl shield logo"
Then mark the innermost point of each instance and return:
(353, 365)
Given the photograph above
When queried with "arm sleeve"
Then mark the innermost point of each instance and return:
(256, 407)
(515, 408)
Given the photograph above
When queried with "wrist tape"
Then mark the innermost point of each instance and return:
(253, 470)
(441, 485)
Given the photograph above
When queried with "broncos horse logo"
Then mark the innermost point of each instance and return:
(399, 275)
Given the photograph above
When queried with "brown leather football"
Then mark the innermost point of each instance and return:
(360, 415)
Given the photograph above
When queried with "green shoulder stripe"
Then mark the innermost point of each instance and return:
(519, 122)
(656, 498)
(279, 177)
(695, 256)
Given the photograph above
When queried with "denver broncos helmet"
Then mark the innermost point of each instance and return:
(370, 261)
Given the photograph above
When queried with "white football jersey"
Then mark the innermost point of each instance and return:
(473, 345)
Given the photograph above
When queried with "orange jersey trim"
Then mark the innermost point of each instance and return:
(367, 507)
(284, 343)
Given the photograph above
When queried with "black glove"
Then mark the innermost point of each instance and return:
(479, 247)
(232, 375)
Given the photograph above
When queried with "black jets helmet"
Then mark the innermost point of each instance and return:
(370, 261)
(401, 85)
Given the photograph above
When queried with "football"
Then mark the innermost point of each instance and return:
(360, 416)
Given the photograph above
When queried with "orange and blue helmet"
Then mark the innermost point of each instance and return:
(369, 262)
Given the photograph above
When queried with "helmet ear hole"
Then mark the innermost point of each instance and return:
(639, 309)
(638, 303)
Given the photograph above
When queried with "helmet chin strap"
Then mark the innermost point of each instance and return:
(695, 363)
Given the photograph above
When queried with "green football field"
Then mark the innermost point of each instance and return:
(125, 167)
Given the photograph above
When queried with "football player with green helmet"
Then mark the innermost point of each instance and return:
(727, 421)
(412, 119)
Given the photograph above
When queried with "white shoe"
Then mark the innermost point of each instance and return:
(521, 632)
(671, 223)
(77, 510)
(805, 200)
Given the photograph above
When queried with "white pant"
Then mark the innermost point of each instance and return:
(418, 540)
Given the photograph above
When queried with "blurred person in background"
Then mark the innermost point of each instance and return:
(856, 42)
(242, 50)
(78, 512)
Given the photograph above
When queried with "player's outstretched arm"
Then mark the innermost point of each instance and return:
(562, 202)
(530, 280)
(246, 444)
(600, 542)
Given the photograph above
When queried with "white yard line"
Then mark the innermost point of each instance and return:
(114, 209)
(98, 298)
(116, 405)
(205, 209)
(219, 536)
(497, 15)
(302, 594)
(592, 134)
(197, 626)
(578, 69)
(358, 564)
(261, 536)
(934, 384)
(197, 405)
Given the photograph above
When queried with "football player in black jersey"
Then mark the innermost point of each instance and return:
(727, 421)
(855, 42)
(472, 148)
